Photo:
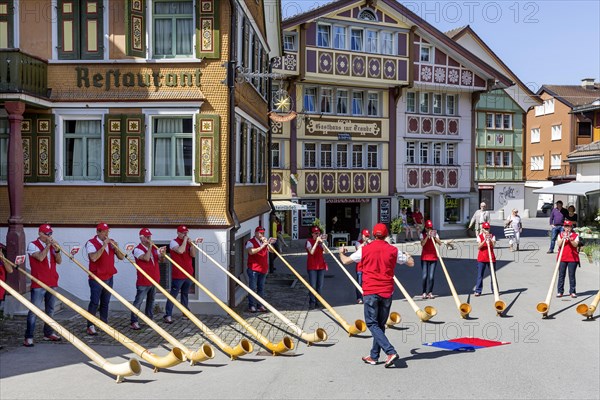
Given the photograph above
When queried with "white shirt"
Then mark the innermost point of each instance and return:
(90, 248)
(357, 256)
(137, 252)
(32, 248)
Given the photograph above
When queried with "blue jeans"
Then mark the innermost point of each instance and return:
(256, 282)
(178, 286)
(562, 271)
(428, 269)
(142, 292)
(377, 311)
(481, 266)
(315, 278)
(555, 231)
(99, 297)
(37, 295)
(359, 295)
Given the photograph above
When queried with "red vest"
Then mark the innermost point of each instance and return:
(378, 261)
(315, 262)
(3, 279)
(150, 267)
(184, 260)
(43, 270)
(104, 266)
(483, 255)
(258, 262)
(428, 253)
(570, 253)
(359, 266)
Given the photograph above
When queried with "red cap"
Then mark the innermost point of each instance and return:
(315, 229)
(380, 230)
(102, 226)
(259, 229)
(568, 223)
(45, 229)
(365, 232)
(145, 232)
(485, 225)
(428, 224)
(182, 229)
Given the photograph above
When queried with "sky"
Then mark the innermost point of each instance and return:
(542, 42)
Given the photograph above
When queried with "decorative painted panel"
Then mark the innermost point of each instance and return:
(343, 183)
(359, 180)
(325, 62)
(276, 183)
(311, 183)
(37, 133)
(358, 66)
(431, 177)
(208, 146)
(124, 148)
(208, 35)
(374, 183)
(136, 28)
(374, 67)
(339, 182)
(428, 125)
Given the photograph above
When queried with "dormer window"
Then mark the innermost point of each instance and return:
(324, 36)
(426, 54)
(289, 42)
(367, 15)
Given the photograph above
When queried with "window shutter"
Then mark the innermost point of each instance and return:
(92, 20)
(37, 132)
(208, 35)
(68, 30)
(245, 44)
(136, 28)
(27, 137)
(133, 132)
(112, 148)
(7, 24)
(208, 145)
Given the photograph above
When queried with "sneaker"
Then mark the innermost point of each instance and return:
(359, 301)
(135, 326)
(424, 296)
(28, 342)
(252, 309)
(391, 359)
(477, 294)
(369, 360)
(91, 330)
(168, 319)
(559, 295)
(430, 296)
(574, 295)
(262, 309)
(549, 252)
(52, 338)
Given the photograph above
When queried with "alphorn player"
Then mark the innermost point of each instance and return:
(484, 240)
(429, 258)
(569, 259)
(258, 266)
(378, 260)
(183, 253)
(315, 264)
(44, 255)
(101, 252)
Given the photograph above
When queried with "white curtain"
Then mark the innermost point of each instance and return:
(84, 150)
(163, 28)
(162, 147)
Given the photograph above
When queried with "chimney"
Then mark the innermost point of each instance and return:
(587, 83)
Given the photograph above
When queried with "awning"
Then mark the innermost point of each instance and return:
(412, 196)
(286, 205)
(571, 188)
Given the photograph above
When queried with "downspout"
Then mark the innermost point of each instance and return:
(231, 66)
(269, 140)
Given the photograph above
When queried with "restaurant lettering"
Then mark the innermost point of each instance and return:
(115, 78)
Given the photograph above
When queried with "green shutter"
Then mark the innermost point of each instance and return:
(208, 145)
(92, 20)
(68, 29)
(28, 139)
(112, 148)
(45, 165)
(136, 28)
(208, 35)
(133, 132)
(7, 24)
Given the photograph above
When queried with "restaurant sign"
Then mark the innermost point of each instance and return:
(335, 127)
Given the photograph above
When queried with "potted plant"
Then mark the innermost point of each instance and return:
(317, 222)
(396, 228)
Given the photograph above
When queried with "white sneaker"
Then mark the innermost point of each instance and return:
(91, 330)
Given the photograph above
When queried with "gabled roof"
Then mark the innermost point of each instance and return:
(572, 95)
(588, 150)
(411, 17)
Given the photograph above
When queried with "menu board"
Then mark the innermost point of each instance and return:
(308, 216)
(384, 210)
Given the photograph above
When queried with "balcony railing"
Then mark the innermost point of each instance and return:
(23, 73)
(564, 170)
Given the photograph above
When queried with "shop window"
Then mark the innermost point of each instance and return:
(487, 196)
(452, 210)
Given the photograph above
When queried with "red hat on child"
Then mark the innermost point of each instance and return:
(428, 224)
(365, 232)
(315, 229)
(568, 223)
(485, 225)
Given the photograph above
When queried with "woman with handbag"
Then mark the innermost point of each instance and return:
(513, 229)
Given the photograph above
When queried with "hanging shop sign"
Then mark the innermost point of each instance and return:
(334, 127)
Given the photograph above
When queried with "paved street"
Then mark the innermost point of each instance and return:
(553, 358)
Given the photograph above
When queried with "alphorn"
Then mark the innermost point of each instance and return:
(174, 357)
(588, 311)
(122, 370)
(424, 315)
(318, 336)
(393, 319)
(463, 308)
(544, 307)
(283, 346)
(499, 305)
(244, 347)
(359, 325)
(205, 352)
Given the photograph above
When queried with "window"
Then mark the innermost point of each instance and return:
(172, 148)
(342, 102)
(357, 156)
(555, 161)
(450, 104)
(372, 45)
(498, 121)
(83, 150)
(323, 35)
(487, 196)
(437, 153)
(289, 42)
(173, 29)
(424, 153)
(425, 54)
(3, 149)
(556, 132)
(372, 156)
(356, 39)
(80, 30)
(498, 159)
(584, 129)
(339, 37)
(489, 158)
(452, 209)
(310, 155)
(437, 103)
(507, 121)
(342, 155)
(535, 135)
(424, 103)
(489, 121)
(310, 99)
(326, 100)
(275, 155)
(326, 155)
(549, 106)
(450, 154)
(410, 102)
(537, 163)
(507, 162)
(7, 25)
(387, 43)
(410, 152)
(373, 105)
(357, 103)
(367, 15)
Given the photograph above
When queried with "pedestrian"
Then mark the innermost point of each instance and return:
(479, 217)
(315, 264)
(44, 255)
(182, 252)
(569, 259)
(406, 225)
(429, 258)
(557, 219)
(418, 219)
(365, 239)
(514, 221)
(379, 259)
(571, 215)
(485, 240)
(147, 258)
(258, 266)
(101, 252)
(275, 234)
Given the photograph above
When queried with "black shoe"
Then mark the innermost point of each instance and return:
(549, 252)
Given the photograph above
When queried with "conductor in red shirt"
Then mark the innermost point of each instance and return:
(378, 262)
